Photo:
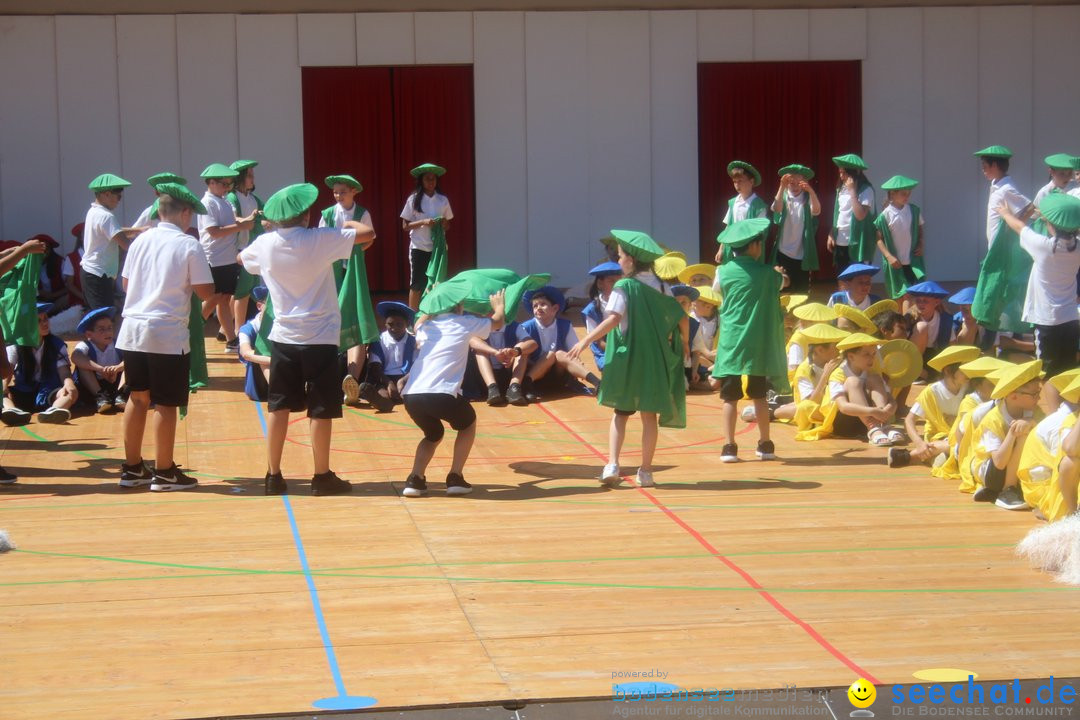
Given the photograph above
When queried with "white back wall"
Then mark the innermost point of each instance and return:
(584, 120)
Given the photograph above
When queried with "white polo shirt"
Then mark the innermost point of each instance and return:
(843, 219)
(394, 351)
(219, 213)
(248, 204)
(101, 254)
(295, 265)
(899, 220)
(740, 210)
(791, 235)
(948, 403)
(144, 219)
(1051, 289)
(430, 207)
(442, 350)
(1002, 191)
(341, 215)
(161, 267)
(549, 335)
(1049, 188)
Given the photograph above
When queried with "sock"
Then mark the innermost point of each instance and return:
(593, 380)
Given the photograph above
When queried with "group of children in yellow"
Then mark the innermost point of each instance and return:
(961, 392)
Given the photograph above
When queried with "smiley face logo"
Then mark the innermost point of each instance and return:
(862, 694)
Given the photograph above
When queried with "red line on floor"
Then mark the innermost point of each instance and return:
(747, 577)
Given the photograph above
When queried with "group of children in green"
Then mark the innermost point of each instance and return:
(656, 328)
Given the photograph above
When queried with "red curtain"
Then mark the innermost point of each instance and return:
(771, 115)
(376, 123)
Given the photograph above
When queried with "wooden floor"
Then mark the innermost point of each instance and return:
(813, 570)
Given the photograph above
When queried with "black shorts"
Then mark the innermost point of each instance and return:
(305, 377)
(841, 258)
(429, 410)
(848, 426)
(165, 376)
(33, 402)
(225, 277)
(731, 387)
(1056, 346)
(418, 262)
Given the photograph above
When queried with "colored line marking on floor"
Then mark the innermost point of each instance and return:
(747, 577)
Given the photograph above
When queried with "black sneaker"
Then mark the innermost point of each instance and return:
(1011, 498)
(233, 345)
(415, 486)
(172, 479)
(14, 416)
(765, 450)
(985, 494)
(730, 453)
(220, 336)
(104, 404)
(898, 457)
(514, 396)
(274, 484)
(531, 395)
(495, 398)
(132, 476)
(456, 485)
(7, 478)
(330, 484)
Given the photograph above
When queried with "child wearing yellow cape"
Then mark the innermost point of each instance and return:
(1050, 492)
(810, 381)
(648, 336)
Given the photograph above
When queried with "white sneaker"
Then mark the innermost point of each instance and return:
(14, 416)
(610, 476)
(645, 478)
(748, 414)
(351, 388)
(54, 415)
(896, 437)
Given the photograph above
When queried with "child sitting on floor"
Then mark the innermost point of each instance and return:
(390, 357)
(99, 366)
(42, 381)
(256, 364)
(855, 282)
(1039, 469)
(810, 381)
(605, 275)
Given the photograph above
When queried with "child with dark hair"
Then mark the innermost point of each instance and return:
(390, 358)
(605, 275)
(424, 208)
(42, 381)
(852, 238)
(99, 365)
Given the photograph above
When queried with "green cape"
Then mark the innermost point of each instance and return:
(809, 236)
(1002, 284)
(757, 208)
(862, 241)
(895, 283)
(751, 323)
(246, 281)
(18, 302)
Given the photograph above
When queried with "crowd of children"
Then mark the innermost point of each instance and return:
(949, 381)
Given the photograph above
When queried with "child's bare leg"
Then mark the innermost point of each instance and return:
(616, 436)
(89, 380)
(462, 447)
(355, 358)
(541, 367)
(1012, 469)
(225, 316)
(277, 427)
(784, 412)
(856, 394)
(483, 364)
(164, 436)
(134, 424)
(65, 398)
(727, 420)
(320, 443)
(1068, 478)
(650, 431)
(761, 413)
(425, 450)
(239, 309)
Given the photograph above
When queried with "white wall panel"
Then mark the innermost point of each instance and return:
(673, 82)
(499, 95)
(89, 109)
(557, 132)
(149, 104)
(781, 35)
(444, 38)
(1056, 95)
(209, 110)
(385, 39)
(271, 119)
(620, 137)
(893, 101)
(29, 145)
(327, 40)
(951, 193)
(1005, 82)
(725, 35)
(838, 34)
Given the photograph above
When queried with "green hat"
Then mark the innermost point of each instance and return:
(181, 193)
(996, 151)
(349, 180)
(851, 161)
(241, 165)
(637, 245)
(1060, 161)
(796, 169)
(290, 202)
(445, 296)
(218, 170)
(743, 232)
(740, 165)
(427, 168)
(482, 283)
(899, 182)
(165, 177)
(1062, 211)
(107, 181)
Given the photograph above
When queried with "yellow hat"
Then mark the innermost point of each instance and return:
(690, 271)
(856, 316)
(1063, 380)
(814, 312)
(707, 294)
(818, 334)
(983, 367)
(1016, 377)
(901, 361)
(954, 354)
(667, 267)
(881, 306)
(790, 302)
(1071, 392)
(857, 340)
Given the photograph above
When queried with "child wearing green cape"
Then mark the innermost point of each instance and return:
(648, 337)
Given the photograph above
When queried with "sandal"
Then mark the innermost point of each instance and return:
(878, 437)
(897, 437)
